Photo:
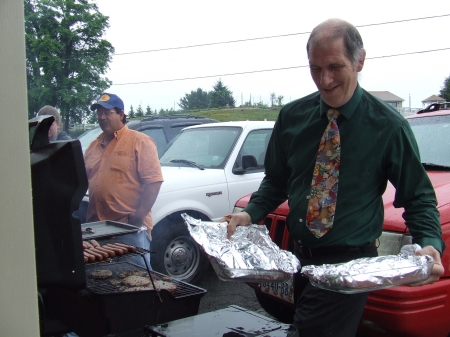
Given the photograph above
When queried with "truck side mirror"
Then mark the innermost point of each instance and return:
(248, 162)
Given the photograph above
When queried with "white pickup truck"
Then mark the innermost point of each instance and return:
(206, 169)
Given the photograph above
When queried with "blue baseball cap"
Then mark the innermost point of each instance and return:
(108, 101)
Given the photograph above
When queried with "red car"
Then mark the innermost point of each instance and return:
(398, 311)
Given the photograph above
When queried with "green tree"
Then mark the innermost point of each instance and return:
(221, 96)
(92, 119)
(139, 111)
(280, 100)
(445, 91)
(148, 111)
(131, 113)
(66, 56)
(272, 99)
(195, 100)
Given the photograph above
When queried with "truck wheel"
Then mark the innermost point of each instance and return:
(177, 255)
(282, 312)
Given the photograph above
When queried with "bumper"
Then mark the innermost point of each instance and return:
(408, 311)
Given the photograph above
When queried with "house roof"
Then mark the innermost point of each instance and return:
(386, 96)
(433, 98)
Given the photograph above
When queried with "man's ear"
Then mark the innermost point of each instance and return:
(360, 65)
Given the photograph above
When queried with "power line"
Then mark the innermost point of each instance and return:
(253, 39)
(274, 69)
(271, 37)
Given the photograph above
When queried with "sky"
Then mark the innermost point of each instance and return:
(276, 33)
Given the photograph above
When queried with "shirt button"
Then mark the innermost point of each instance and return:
(308, 197)
(299, 241)
(300, 220)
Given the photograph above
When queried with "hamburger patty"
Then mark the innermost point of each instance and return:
(101, 273)
(136, 281)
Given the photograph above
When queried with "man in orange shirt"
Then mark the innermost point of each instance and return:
(123, 170)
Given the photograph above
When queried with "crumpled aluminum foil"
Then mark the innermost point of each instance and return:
(249, 256)
(367, 274)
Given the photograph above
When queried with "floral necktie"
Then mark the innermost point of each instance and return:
(324, 185)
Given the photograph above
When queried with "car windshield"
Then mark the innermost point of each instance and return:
(201, 147)
(87, 137)
(433, 137)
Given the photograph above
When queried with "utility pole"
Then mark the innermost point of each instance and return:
(409, 103)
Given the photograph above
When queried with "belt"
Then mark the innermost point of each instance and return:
(321, 251)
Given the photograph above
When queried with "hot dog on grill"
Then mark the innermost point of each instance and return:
(98, 251)
(98, 257)
(91, 258)
(85, 243)
(106, 250)
(95, 243)
(124, 249)
(116, 250)
(130, 248)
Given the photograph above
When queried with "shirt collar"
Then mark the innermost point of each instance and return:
(117, 134)
(348, 108)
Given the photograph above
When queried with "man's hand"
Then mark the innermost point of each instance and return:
(438, 268)
(236, 219)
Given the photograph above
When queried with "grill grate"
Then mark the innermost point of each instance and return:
(112, 285)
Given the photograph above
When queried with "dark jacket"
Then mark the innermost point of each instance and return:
(63, 136)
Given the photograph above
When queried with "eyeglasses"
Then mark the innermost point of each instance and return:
(105, 112)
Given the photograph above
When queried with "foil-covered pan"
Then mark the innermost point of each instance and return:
(367, 274)
(249, 256)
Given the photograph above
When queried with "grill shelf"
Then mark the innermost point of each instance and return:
(101, 229)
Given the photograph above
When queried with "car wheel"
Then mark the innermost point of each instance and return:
(282, 312)
(177, 255)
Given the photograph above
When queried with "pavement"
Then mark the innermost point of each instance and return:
(221, 294)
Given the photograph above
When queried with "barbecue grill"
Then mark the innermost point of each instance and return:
(69, 299)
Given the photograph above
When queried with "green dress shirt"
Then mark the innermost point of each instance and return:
(377, 145)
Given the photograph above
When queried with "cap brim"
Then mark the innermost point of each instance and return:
(105, 105)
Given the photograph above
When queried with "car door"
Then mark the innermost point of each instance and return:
(243, 181)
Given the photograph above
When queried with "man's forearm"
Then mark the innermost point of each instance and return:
(148, 199)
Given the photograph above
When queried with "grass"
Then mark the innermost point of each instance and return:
(222, 115)
(238, 114)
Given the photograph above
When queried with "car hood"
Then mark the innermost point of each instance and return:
(393, 216)
(181, 178)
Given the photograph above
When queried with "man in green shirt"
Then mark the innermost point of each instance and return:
(376, 146)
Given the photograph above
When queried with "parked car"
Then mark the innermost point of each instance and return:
(162, 129)
(398, 311)
(206, 169)
(435, 107)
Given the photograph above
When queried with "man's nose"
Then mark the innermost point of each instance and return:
(326, 77)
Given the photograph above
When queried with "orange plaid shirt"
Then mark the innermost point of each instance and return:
(118, 173)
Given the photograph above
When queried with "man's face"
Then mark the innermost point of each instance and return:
(109, 120)
(334, 74)
(53, 131)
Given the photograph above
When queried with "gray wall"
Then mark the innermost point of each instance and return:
(18, 292)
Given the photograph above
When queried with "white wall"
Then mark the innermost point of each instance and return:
(18, 293)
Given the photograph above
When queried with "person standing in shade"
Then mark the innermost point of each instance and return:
(55, 132)
(123, 171)
(331, 154)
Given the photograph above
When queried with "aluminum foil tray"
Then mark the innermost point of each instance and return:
(367, 274)
(249, 256)
(104, 229)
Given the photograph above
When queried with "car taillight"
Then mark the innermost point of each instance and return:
(390, 243)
